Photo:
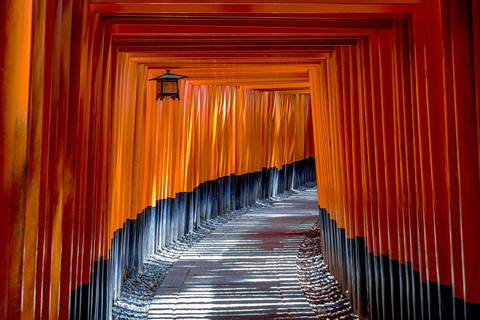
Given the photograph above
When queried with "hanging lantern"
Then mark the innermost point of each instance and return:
(167, 85)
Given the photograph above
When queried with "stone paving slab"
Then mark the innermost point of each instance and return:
(246, 269)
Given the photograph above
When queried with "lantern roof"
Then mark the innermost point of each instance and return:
(169, 76)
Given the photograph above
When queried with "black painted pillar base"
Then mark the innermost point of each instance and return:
(171, 219)
(383, 288)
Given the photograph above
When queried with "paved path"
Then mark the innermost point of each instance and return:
(246, 269)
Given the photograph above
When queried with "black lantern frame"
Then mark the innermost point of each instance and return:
(167, 85)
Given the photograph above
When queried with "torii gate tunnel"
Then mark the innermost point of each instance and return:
(376, 100)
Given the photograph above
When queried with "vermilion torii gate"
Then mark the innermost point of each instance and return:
(384, 95)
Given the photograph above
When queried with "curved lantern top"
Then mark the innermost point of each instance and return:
(169, 76)
(167, 85)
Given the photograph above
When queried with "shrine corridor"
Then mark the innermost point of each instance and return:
(125, 125)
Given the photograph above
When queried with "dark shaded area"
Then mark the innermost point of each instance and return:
(382, 288)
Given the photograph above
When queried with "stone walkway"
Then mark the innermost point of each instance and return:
(246, 269)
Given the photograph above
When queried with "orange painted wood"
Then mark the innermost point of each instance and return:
(388, 107)
(369, 144)
(15, 37)
(421, 172)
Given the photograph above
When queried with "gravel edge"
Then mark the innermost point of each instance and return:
(320, 287)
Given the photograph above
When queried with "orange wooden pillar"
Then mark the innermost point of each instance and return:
(465, 104)
(357, 223)
(15, 39)
(368, 173)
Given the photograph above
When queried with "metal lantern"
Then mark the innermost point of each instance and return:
(167, 85)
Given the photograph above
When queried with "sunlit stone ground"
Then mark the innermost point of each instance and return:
(245, 269)
(137, 293)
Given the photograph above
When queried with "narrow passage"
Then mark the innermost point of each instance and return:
(246, 269)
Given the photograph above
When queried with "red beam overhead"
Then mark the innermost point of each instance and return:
(252, 43)
(243, 70)
(266, 15)
(278, 86)
(227, 55)
(238, 72)
(165, 9)
(259, 84)
(262, 1)
(227, 30)
(229, 49)
(256, 23)
(288, 92)
(224, 64)
(228, 38)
